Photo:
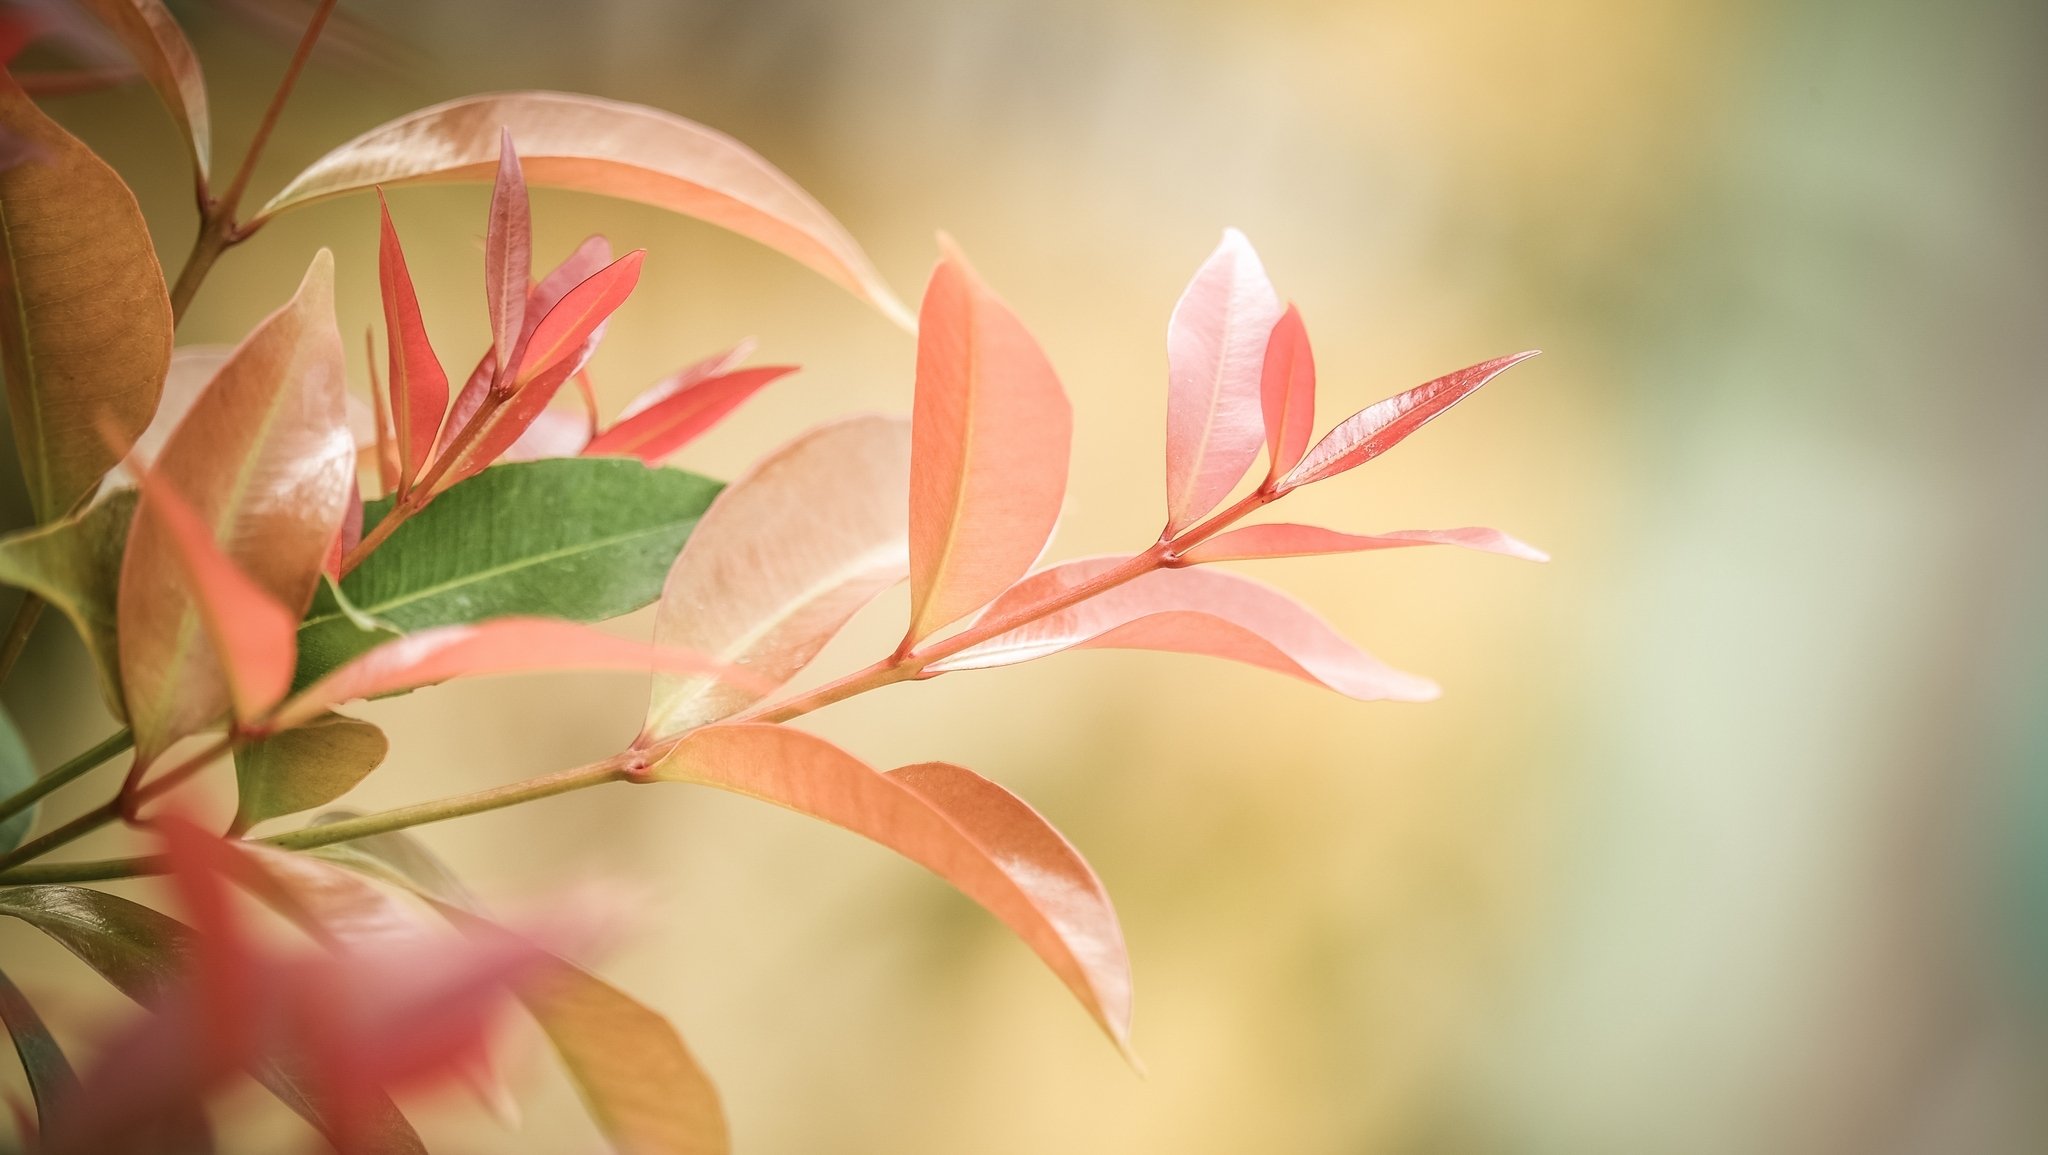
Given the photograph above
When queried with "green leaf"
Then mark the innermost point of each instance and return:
(578, 538)
(75, 565)
(50, 1077)
(142, 953)
(305, 767)
(16, 773)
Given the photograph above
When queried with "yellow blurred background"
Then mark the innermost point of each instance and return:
(1730, 833)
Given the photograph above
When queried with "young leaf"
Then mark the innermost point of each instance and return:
(1287, 387)
(75, 565)
(592, 255)
(306, 767)
(1190, 611)
(602, 146)
(990, 433)
(716, 365)
(683, 416)
(1377, 428)
(50, 1078)
(554, 433)
(151, 35)
(508, 255)
(783, 559)
(266, 458)
(85, 321)
(1288, 540)
(1215, 348)
(960, 826)
(568, 538)
(17, 773)
(419, 386)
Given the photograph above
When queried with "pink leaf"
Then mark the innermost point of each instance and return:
(1215, 348)
(1288, 540)
(592, 255)
(554, 433)
(508, 255)
(780, 562)
(1288, 388)
(1374, 430)
(419, 386)
(683, 416)
(716, 365)
(1190, 611)
(960, 826)
(991, 431)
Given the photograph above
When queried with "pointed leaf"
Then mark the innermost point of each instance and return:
(419, 386)
(306, 767)
(716, 365)
(266, 458)
(75, 565)
(991, 430)
(50, 1078)
(1215, 349)
(683, 416)
(1288, 540)
(508, 254)
(17, 773)
(592, 255)
(192, 370)
(602, 146)
(784, 558)
(85, 321)
(960, 826)
(151, 35)
(335, 630)
(1190, 611)
(1287, 386)
(1375, 429)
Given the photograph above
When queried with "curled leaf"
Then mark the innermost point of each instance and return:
(1377, 428)
(1289, 540)
(1215, 349)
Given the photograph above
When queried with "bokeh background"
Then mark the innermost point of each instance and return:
(1731, 831)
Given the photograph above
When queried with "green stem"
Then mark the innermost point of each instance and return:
(613, 769)
(29, 795)
(78, 827)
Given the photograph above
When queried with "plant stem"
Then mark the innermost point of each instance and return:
(216, 234)
(29, 795)
(230, 199)
(24, 624)
(78, 827)
(613, 769)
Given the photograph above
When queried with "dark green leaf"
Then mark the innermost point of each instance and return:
(397, 858)
(50, 1077)
(306, 767)
(16, 773)
(75, 565)
(584, 539)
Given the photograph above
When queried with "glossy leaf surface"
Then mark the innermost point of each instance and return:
(75, 565)
(683, 416)
(50, 1077)
(151, 35)
(1289, 540)
(17, 772)
(419, 386)
(1377, 428)
(85, 320)
(1215, 350)
(303, 768)
(962, 827)
(1287, 391)
(990, 434)
(601, 146)
(1190, 611)
(266, 458)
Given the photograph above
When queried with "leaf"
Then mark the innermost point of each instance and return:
(151, 35)
(1377, 428)
(419, 386)
(1287, 387)
(142, 953)
(50, 1077)
(601, 146)
(784, 558)
(554, 433)
(192, 370)
(990, 434)
(85, 321)
(716, 365)
(75, 565)
(1189, 611)
(682, 417)
(499, 646)
(333, 631)
(266, 458)
(306, 767)
(508, 254)
(1215, 349)
(571, 538)
(17, 773)
(1289, 540)
(960, 826)
(592, 255)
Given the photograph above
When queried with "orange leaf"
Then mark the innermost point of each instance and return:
(601, 146)
(1189, 611)
(1377, 428)
(419, 386)
(960, 826)
(1287, 386)
(1288, 540)
(990, 434)
(683, 416)
(780, 561)
(1215, 347)
(151, 35)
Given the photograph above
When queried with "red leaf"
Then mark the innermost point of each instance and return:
(565, 328)
(990, 434)
(1190, 611)
(1374, 430)
(716, 365)
(508, 255)
(683, 416)
(1288, 388)
(419, 386)
(1288, 540)
(593, 254)
(1215, 347)
(960, 826)
(554, 433)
